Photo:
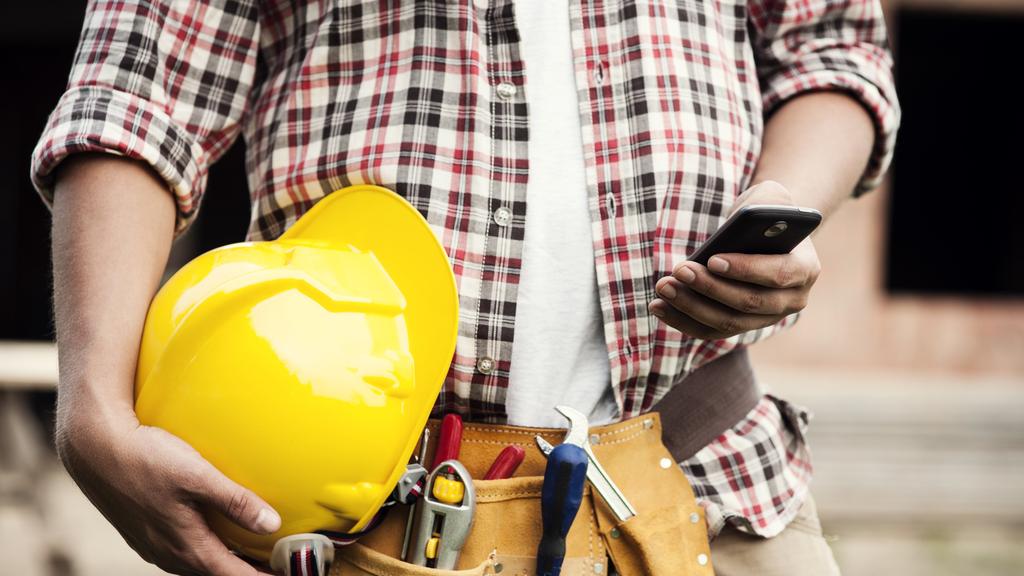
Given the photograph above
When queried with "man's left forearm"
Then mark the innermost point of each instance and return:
(817, 146)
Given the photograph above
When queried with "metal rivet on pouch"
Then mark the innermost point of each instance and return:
(615, 533)
(598, 568)
(648, 424)
(665, 463)
(694, 517)
(702, 559)
(595, 438)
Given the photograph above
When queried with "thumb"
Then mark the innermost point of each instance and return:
(238, 504)
(764, 192)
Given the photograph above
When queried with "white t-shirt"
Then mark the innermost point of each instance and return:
(559, 354)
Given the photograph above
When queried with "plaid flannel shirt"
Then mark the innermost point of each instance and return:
(430, 99)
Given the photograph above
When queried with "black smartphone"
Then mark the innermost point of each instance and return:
(760, 229)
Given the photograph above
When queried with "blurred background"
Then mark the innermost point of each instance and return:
(911, 354)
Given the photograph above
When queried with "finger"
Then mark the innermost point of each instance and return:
(240, 505)
(718, 317)
(190, 547)
(766, 192)
(742, 296)
(224, 563)
(681, 322)
(769, 270)
(256, 564)
(212, 557)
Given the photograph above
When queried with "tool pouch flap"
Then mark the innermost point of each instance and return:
(668, 536)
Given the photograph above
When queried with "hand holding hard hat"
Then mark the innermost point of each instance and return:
(305, 368)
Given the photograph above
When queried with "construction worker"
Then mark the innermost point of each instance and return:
(567, 155)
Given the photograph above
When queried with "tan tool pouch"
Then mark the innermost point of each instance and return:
(668, 536)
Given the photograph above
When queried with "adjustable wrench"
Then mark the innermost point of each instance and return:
(599, 479)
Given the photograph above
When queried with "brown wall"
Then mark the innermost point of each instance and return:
(852, 323)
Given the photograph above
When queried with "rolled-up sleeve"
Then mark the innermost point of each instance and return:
(811, 45)
(167, 83)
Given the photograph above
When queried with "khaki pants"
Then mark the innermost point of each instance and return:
(800, 550)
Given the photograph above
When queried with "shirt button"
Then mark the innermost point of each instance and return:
(502, 216)
(485, 365)
(506, 90)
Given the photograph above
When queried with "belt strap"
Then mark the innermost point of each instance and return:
(709, 401)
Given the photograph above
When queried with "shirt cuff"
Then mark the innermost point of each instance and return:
(105, 120)
(877, 97)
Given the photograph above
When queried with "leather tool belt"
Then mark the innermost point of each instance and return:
(668, 535)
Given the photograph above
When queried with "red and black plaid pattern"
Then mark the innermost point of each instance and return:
(757, 474)
(431, 99)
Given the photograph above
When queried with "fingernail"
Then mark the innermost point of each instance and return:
(716, 264)
(684, 274)
(656, 310)
(668, 291)
(268, 521)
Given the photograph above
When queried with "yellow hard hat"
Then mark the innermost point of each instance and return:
(305, 368)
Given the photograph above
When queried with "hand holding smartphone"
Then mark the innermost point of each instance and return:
(761, 281)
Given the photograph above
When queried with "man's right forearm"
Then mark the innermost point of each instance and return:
(113, 224)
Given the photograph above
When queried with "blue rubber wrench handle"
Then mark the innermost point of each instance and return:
(564, 477)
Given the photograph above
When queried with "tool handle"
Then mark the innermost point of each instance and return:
(564, 477)
(449, 440)
(551, 565)
(506, 464)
